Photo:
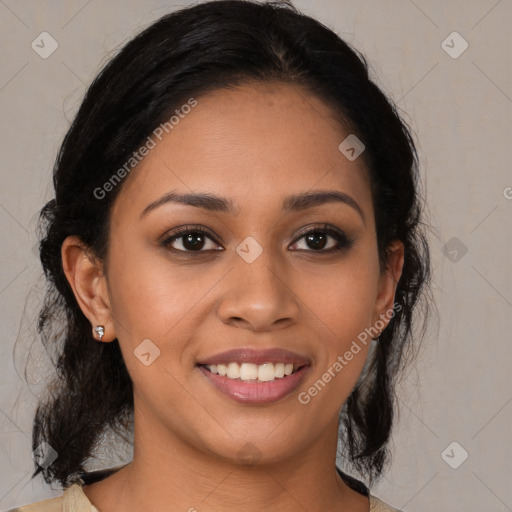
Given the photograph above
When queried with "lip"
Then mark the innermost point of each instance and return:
(256, 356)
(256, 392)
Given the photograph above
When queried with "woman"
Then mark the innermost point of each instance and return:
(236, 252)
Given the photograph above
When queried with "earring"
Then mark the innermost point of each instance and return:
(100, 331)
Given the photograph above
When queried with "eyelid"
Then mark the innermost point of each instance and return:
(343, 240)
(181, 231)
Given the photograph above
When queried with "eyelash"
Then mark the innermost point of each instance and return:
(343, 241)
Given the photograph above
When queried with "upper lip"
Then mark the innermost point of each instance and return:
(256, 356)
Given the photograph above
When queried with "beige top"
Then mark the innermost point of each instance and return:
(75, 500)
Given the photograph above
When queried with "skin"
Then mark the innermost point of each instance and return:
(255, 145)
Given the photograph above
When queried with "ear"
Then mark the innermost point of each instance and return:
(388, 283)
(88, 282)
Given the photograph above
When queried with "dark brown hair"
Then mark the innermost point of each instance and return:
(186, 54)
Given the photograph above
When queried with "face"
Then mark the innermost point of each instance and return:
(264, 272)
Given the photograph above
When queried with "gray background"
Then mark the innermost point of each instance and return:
(460, 110)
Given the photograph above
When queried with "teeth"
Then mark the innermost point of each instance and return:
(247, 371)
(233, 371)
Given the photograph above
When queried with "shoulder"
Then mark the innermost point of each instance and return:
(73, 499)
(376, 505)
(48, 505)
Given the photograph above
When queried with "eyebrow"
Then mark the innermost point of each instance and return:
(293, 203)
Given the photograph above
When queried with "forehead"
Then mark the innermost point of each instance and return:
(255, 142)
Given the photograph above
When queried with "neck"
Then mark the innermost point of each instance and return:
(168, 473)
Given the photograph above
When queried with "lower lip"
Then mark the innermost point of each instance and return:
(256, 392)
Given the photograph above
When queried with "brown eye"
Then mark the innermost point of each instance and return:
(317, 239)
(321, 239)
(190, 240)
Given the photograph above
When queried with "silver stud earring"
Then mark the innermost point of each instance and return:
(100, 331)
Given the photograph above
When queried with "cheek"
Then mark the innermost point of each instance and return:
(341, 299)
(148, 294)
(153, 299)
(340, 303)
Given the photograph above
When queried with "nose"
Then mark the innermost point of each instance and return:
(258, 296)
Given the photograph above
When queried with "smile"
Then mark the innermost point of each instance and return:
(255, 384)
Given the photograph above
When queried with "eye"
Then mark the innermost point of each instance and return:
(317, 239)
(195, 239)
(191, 239)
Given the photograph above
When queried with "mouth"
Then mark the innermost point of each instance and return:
(252, 384)
(255, 376)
